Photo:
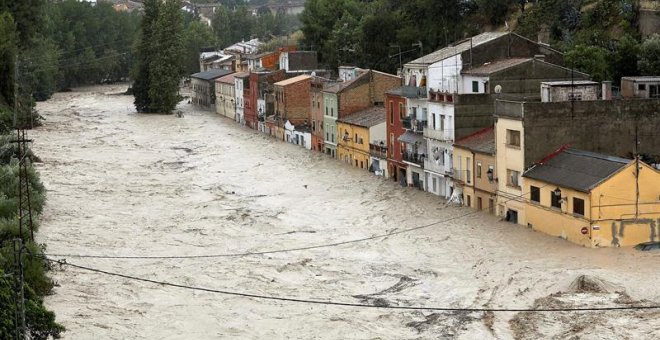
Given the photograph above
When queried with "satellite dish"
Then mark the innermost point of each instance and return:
(498, 88)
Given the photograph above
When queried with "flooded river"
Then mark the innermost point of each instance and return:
(125, 184)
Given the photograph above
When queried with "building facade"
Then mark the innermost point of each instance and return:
(241, 81)
(592, 199)
(474, 169)
(357, 132)
(203, 87)
(225, 94)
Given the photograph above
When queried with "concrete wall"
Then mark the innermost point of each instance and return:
(526, 78)
(472, 112)
(509, 46)
(606, 127)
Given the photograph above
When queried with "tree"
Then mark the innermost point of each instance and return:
(625, 56)
(145, 55)
(197, 36)
(649, 56)
(590, 59)
(221, 27)
(166, 68)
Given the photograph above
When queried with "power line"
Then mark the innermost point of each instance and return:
(349, 304)
(287, 250)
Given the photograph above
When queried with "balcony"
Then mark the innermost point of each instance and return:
(438, 135)
(415, 158)
(441, 97)
(378, 151)
(415, 125)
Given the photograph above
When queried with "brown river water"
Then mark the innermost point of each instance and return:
(126, 184)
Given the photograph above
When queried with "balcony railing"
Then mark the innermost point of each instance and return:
(378, 150)
(438, 134)
(415, 125)
(441, 97)
(413, 157)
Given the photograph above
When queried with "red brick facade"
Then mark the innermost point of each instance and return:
(396, 167)
(252, 94)
(316, 111)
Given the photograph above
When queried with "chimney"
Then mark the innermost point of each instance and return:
(544, 35)
(540, 57)
(607, 90)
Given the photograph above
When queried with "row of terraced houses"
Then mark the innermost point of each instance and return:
(495, 122)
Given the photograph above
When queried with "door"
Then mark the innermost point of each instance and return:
(479, 204)
(491, 205)
(512, 216)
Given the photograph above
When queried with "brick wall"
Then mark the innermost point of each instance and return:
(295, 105)
(381, 83)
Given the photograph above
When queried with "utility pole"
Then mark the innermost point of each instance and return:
(19, 294)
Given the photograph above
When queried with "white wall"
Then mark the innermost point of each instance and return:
(445, 75)
(378, 133)
(467, 84)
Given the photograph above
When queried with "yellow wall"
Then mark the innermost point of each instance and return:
(351, 150)
(619, 220)
(553, 221)
(610, 210)
(513, 158)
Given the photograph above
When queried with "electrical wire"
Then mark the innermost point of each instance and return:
(349, 304)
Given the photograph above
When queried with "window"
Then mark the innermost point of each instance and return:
(442, 122)
(314, 125)
(333, 137)
(512, 178)
(332, 111)
(391, 112)
(535, 194)
(356, 139)
(555, 200)
(578, 206)
(327, 136)
(575, 96)
(475, 86)
(391, 146)
(641, 87)
(469, 201)
(326, 110)
(513, 138)
(434, 184)
(433, 121)
(478, 169)
(402, 111)
(468, 173)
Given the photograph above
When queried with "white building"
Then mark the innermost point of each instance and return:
(241, 80)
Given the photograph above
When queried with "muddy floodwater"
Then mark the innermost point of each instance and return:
(126, 184)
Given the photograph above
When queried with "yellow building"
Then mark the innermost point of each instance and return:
(474, 169)
(356, 132)
(593, 200)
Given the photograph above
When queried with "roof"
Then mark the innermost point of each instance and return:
(496, 66)
(569, 82)
(228, 79)
(211, 74)
(458, 47)
(482, 141)
(576, 169)
(241, 75)
(410, 137)
(366, 118)
(293, 80)
(642, 78)
(408, 92)
(338, 87)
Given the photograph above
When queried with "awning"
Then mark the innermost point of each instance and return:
(410, 137)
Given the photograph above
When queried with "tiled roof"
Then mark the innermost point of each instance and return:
(338, 87)
(482, 141)
(457, 48)
(228, 79)
(576, 169)
(211, 74)
(495, 66)
(366, 118)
